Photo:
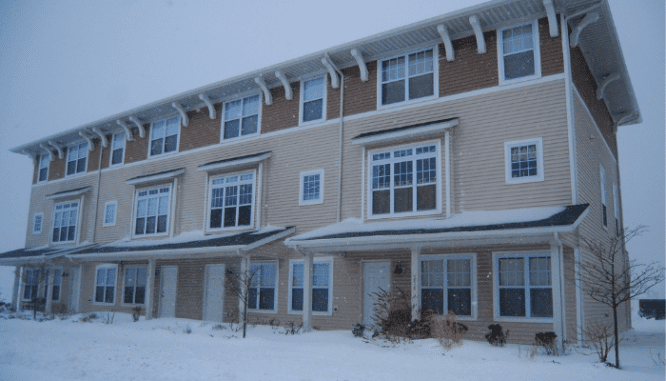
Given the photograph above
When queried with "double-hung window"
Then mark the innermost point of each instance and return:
(604, 208)
(447, 285)
(231, 201)
(57, 282)
(523, 161)
(518, 48)
(164, 136)
(405, 180)
(44, 161)
(135, 285)
(322, 289)
(152, 211)
(241, 117)
(616, 209)
(77, 155)
(263, 286)
(311, 187)
(105, 284)
(65, 219)
(110, 213)
(31, 284)
(118, 148)
(524, 287)
(313, 99)
(407, 77)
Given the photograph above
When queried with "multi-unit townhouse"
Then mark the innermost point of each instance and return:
(461, 159)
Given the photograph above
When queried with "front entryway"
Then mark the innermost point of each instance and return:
(376, 275)
(213, 293)
(168, 281)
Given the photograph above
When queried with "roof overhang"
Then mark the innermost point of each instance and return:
(599, 43)
(67, 194)
(405, 133)
(234, 162)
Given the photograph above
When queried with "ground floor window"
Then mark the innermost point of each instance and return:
(135, 285)
(263, 286)
(446, 285)
(524, 287)
(31, 284)
(322, 275)
(105, 284)
(57, 282)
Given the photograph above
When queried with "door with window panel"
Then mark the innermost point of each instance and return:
(231, 201)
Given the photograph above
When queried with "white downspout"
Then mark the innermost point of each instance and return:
(559, 314)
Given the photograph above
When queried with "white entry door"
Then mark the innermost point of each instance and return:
(213, 293)
(168, 281)
(376, 275)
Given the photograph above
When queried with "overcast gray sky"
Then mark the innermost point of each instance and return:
(66, 63)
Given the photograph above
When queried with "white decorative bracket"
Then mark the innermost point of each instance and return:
(91, 145)
(128, 131)
(183, 114)
(267, 93)
(57, 146)
(444, 33)
(288, 93)
(46, 147)
(32, 156)
(137, 123)
(606, 82)
(589, 18)
(480, 41)
(361, 64)
(105, 141)
(335, 80)
(552, 18)
(623, 119)
(211, 109)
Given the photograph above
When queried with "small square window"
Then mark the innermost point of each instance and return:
(110, 213)
(524, 161)
(519, 53)
(311, 187)
(313, 99)
(164, 136)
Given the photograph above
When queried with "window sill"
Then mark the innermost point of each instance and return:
(503, 82)
(524, 320)
(523, 180)
(74, 175)
(108, 225)
(148, 236)
(314, 313)
(401, 215)
(239, 138)
(312, 122)
(226, 230)
(155, 157)
(310, 202)
(132, 304)
(405, 104)
(104, 304)
(262, 311)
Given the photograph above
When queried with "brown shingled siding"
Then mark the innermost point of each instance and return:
(470, 70)
(282, 113)
(35, 171)
(587, 87)
(359, 96)
(137, 149)
(57, 167)
(552, 59)
(93, 156)
(332, 100)
(106, 152)
(202, 130)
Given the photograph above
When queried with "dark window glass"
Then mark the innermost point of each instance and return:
(541, 302)
(512, 302)
(426, 197)
(432, 299)
(99, 294)
(421, 86)
(80, 165)
(229, 217)
(250, 124)
(252, 298)
(140, 225)
(519, 65)
(156, 147)
(71, 167)
(161, 224)
(128, 295)
(42, 174)
(393, 92)
(231, 129)
(381, 202)
(150, 225)
(117, 156)
(216, 218)
(403, 200)
(460, 301)
(70, 235)
(312, 110)
(297, 299)
(108, 296)
(266, 299)
(244, 215)
(319, 299)
(56, 293)
(170, 143)
(56, 235)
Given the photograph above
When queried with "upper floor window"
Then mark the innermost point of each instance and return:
(447, 285)
(31, 284)
(616, 208)
(519, 52)
(37, 223)
(231, 201)
(523, 287)
(164, 136)
(313, 99)
(118, 148)
(405, 180)
(76, 158)
(604, 208)
(263, 287)
(408, 77)
(110, 213)
(44, 161)
(311, 187)
(152, 211)
(65, 219)
(523, 161)
(241, 117)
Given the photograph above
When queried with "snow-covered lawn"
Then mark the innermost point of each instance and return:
(162, 349)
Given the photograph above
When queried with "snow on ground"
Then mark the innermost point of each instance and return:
(161, 349)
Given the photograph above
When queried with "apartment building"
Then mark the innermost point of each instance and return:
(461, 160)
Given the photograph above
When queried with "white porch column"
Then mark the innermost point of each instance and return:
(558, 322)
(416, 283)
(242, 277)
(307, 291)
(49, 291)
(15, 290)
(150, 285)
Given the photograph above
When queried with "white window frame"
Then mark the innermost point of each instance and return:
(496, 278)
(301, 99)
(122, 294)
(124, 142)
(41, 223)
(507, 161)
(79, 145)
(209, 197)
(36, 293)
(115, 213)
(537, 53)
(46, 283)
(473, 281)
(616, 210)
(138, 198)
(150, 139)
(115, 285)
(44, 163)
(604, 199)
(435, 68)
(275, 287)
(76, 227)
(438, 191)
(302, 175)
(328, 260)
(240, 135)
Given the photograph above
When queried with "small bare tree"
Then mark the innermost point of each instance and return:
(609, 278)
(598, 334)
(240, 284)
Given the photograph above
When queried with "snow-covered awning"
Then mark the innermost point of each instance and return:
(160, 176)
(67, 193)
(514, 225)
(404, 133)
(38, 254)
(234, 162)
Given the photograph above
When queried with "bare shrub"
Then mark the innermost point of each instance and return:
(392, 315)
(109, 318)
(291, 328)
(136, 313)
(599, 334)
(60, 310)
(218, 327)
(546, 342)
(88, 318)
(448, 331)
(497, 336)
